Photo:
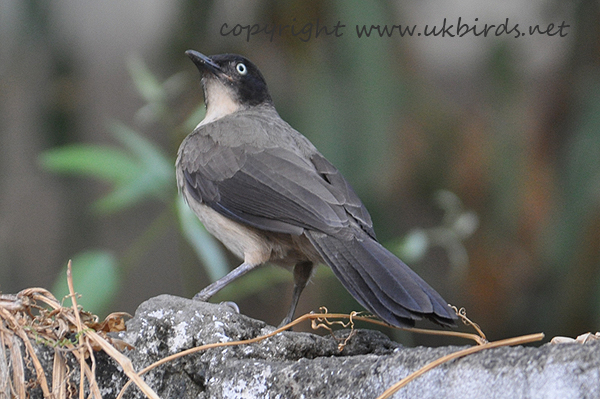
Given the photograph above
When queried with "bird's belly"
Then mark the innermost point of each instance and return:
(252, 245)
(243, 241)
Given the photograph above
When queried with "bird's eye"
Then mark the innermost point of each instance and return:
(241, 68)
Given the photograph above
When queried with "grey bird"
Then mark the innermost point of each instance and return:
(268, 195)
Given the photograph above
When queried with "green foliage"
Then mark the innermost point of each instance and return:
(139, 173)
(104, 163)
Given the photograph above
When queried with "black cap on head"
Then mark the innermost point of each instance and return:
(237, 73)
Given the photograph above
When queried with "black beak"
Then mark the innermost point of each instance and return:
(204, 63)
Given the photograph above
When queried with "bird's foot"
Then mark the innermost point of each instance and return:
(205, 298)
(202, 296)
(232, 305)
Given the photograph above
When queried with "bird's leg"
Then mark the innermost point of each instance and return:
(215, 287)
(302, 273)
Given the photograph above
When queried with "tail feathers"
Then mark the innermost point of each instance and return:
(380, 281)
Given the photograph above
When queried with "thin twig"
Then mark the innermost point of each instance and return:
(462, 313)
(505, 342)
(457, 334)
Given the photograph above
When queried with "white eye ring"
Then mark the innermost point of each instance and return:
(241, 68)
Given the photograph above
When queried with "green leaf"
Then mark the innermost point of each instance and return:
(101, 162)
(125, 195)
(95, 279)
(205, 245)
(143, 172)
(154, 177)
(155, 164)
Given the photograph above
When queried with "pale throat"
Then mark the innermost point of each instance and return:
(221, 102)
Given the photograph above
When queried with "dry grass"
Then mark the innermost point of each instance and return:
(34, 315)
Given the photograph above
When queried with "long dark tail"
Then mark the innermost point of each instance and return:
(380, 281)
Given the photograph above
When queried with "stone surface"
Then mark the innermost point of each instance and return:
(302, 365)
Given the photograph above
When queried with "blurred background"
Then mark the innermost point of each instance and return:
(478, 157)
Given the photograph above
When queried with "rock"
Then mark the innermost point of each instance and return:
(303, 365)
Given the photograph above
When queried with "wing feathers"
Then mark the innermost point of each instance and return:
(262, 186)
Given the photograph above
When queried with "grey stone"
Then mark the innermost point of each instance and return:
(303, 365)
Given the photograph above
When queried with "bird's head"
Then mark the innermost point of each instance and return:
(230, 83)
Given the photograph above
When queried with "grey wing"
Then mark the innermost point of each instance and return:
(273, 189)
(352, 204)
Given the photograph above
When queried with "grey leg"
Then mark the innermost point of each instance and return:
(215, 287)
(302, 273)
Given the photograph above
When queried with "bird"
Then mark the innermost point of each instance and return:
(266, 192)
